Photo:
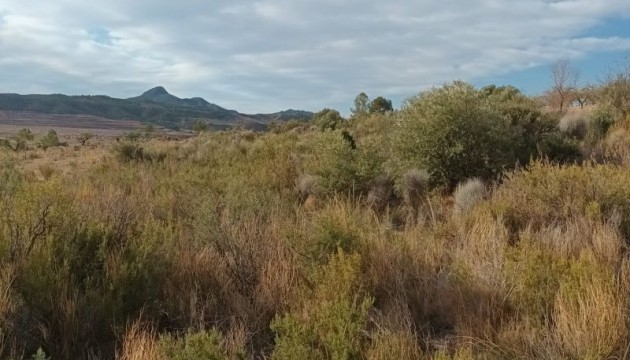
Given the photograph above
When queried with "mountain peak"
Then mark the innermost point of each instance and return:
(156, 91)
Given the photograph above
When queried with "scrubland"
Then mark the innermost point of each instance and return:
(470, 224)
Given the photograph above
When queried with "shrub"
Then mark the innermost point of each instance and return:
(546, 194)
(49, 140)
(455, 134)
(589, 312)
(307, 185)
(557, 148)
(328, 119)
(574, 125)
(332, 322)
(468, 194)
(601, 121)
(342, 168)
(200, 345)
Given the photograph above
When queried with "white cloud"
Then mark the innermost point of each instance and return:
(268, 55)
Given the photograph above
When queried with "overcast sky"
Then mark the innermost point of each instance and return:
(265, 56)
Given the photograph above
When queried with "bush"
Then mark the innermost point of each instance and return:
(328, 119)
(455, 134)
(546, 194)
(49, 140)
(468, 194)
(332, 323)
(200, 345)
(574, 125)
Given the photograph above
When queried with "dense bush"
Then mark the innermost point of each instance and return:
(49, 140)
(454, 134)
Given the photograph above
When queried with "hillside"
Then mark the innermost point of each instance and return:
(154, 106)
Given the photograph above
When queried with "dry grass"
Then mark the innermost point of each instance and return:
(219, 239)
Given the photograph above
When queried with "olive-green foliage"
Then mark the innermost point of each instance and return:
(380, 105)
(131, 151)
(25, 134)
(615, 92)
(200, 126)
(535, 275)
(601, 121)
(547, 193)
(454, 133)
(200, 345)
(328, 119)
(49, 140)
(342, 168)
(561, 149)
(361, 105)
(334, 319)
(5, 143)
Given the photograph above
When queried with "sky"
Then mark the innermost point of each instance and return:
(271, 55)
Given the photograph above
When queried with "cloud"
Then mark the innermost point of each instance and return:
(266, 55)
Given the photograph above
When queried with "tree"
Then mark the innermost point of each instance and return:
(361, 105)
(49, 140)
(328, 119)
(200, 126)
(380, 105)
(564, 77)
(454, 133)
(25, 134)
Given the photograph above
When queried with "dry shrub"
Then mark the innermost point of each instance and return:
(381, 193)
(415, 189)
(574, 124)
(547, 194)
(468, 194)
(308, 186)
(8, 305)
(394, 345)
(589, 312)
(140, 343)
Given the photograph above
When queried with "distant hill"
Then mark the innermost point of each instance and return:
(156, 106)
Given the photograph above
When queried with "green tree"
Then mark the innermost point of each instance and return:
(361, 105)
(200, 126)
(380, 105)
(25, 134)
(455, 134)
(328, 119)
(49, 140)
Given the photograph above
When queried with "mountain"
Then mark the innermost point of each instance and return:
(156, 106)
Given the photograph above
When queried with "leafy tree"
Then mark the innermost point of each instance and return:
(25, 134)
(455, 134)
(49, 140)
(200, 126)
(380, 105)
(361, 105)
(328, 119)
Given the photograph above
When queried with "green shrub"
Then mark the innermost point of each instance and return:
(601, 121)
(342, 168)
(200, 345)
(454, 133)
(49, 140)
(547, 194)
(333, 320)
(558, 148)
(328, 119)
